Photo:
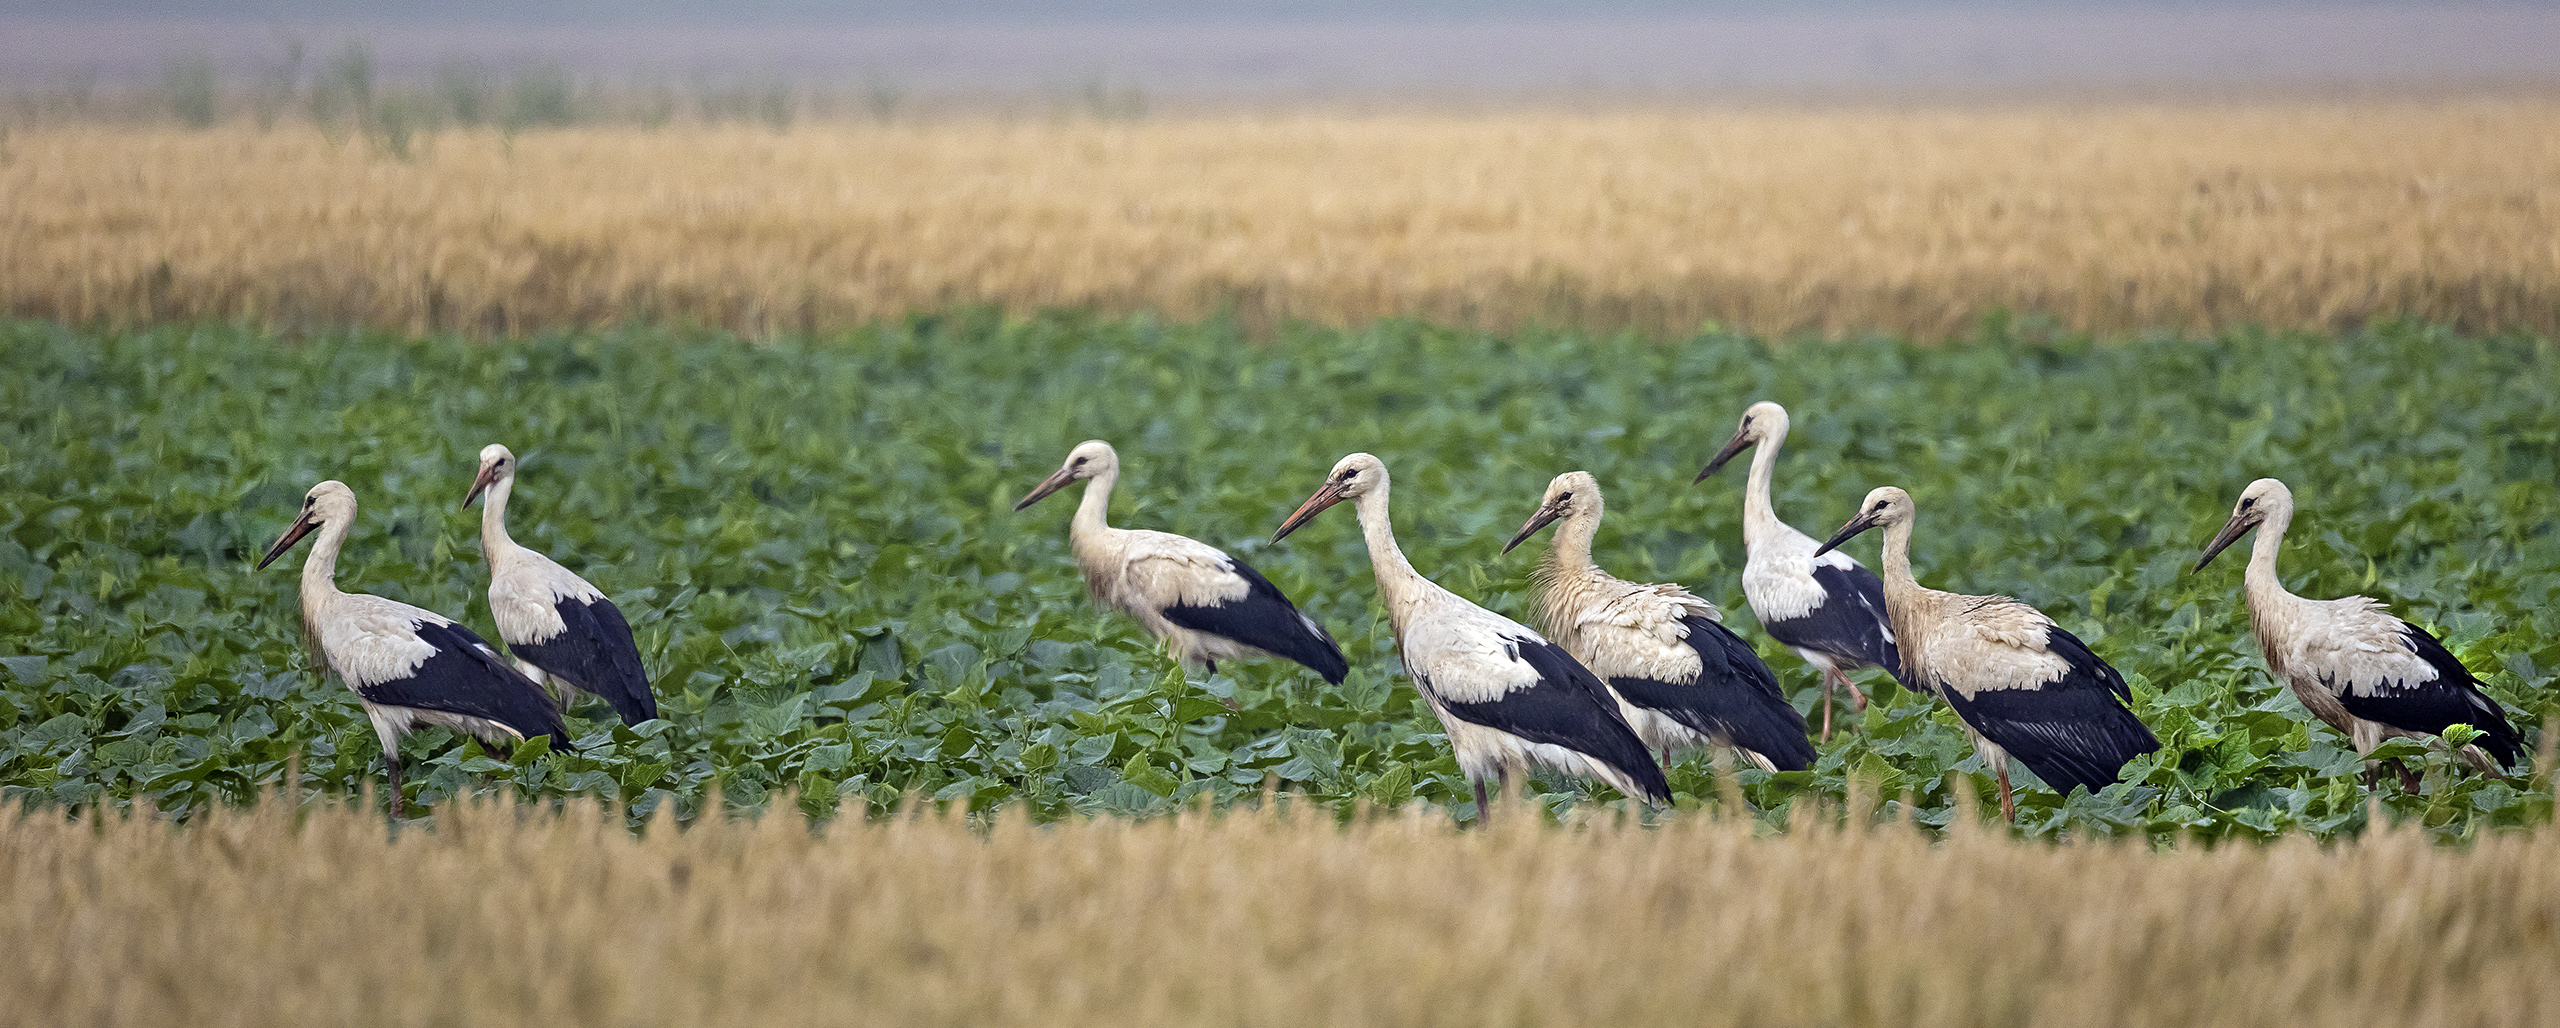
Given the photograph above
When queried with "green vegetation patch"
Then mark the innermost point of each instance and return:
(814, 542)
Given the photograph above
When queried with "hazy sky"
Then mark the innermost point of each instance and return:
(1318, 47)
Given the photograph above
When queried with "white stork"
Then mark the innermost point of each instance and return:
(556, 624)
(1822, 604)
(2366, 673)
(1205, 605)
(1508, 698)
(1682, 679)
(407, 665)
(2021, 685)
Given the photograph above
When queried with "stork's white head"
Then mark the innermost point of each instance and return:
(1885, 505)
(497, 464)
(1090, 458)
(2265, 500)
(1762, 422)
(327, 503)
(1574, 494)
(1353, 477)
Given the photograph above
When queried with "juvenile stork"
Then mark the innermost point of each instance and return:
(407, 665)
(1818, 602)
(557, 625)
(1681, 678)
(1205, 605)
(2364, 672)
(1508, 698)
(2021, 685)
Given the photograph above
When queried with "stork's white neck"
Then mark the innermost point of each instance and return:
(1399, 585)
(494, 540)
(1096, 504)
(2261, 580)
(320, 568)
(1759, 519)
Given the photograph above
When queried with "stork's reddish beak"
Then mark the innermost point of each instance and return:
(1057, 480)
(1325, 497)
(2231, 532)
(302, 526)
(1848, 531)
(1739, 443)
(488, 476)
(1545, 516)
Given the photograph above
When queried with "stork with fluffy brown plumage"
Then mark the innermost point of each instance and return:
(2021, 685)
(2357, 668)
(1683, 680)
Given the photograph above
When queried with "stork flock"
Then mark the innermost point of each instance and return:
(1624, 677)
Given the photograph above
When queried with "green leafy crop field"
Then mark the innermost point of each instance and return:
(814, 541)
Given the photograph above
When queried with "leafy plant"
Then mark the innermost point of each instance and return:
(815, 544)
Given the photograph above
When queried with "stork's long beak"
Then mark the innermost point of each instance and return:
(480, 483)
(302, 526)
(1057, 480)
(1545, 516)
(1740, 443)
(1847, 532)
(1328, 495)
(2231, 532)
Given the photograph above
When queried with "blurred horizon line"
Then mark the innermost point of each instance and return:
(1639, 49)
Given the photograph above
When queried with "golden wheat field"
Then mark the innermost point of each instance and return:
(501, 914)
(2106, 217)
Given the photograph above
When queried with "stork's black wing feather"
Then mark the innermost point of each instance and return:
(466, 677)
(596, 654)
(1264, 619)
(2453, 697)
(2075, 730)
(1850, 624)
(1568, 707)
(1734, 697)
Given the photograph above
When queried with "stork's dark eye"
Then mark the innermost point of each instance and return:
(1351, 474)
(2247, 502)
(1079, 462)
(1879, 507)
(1564, 497)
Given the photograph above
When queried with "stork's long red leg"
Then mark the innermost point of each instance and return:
(1857, 696)
(2008, 803)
